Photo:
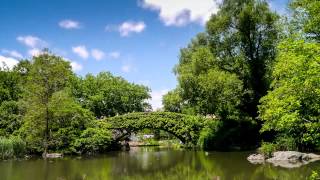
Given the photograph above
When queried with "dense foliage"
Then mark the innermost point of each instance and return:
(254, 72)
(44, 103)
(10, 93)
(96, 138)
(236, 51)
(290, 110)
(292, 107)
(226, 70)
(106, 95)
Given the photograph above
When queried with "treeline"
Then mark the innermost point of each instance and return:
(50, 108)
(258, 73)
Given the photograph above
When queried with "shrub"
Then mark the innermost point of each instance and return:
(285, 143)
(208, 134)
(267, 149)
(94, 139)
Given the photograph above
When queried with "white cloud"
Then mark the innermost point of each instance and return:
(182, 12)
(127, 28)
(81, 51)
(34, 52)
(76, 66)
(8, 62)
(12, 53)
(97, 54)
(69, 24)
(156, 98)
(114, 54)
(31, 41)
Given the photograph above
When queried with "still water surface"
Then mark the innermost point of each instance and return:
(151, 164)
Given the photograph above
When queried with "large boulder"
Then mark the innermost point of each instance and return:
(292, 156)
(287, 159)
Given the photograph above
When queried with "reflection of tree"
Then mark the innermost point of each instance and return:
(149, 161)
(225, 165)
(152, 164)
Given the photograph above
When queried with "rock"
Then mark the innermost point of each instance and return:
(53, 155)
(256, 158)
(292, 156)
(286, 159)
(311, 157)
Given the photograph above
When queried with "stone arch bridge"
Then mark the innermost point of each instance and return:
(185, 127)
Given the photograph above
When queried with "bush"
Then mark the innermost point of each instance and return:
(18, 146)
(281, 143)
(94, 139)
(285, 143)
(12, 147)
(267, 149)
(208, 134)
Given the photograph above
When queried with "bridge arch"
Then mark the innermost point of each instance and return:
(185, 127)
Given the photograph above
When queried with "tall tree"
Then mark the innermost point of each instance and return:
(240, 41)
(243, 37)
(47, 75)
(225, 70)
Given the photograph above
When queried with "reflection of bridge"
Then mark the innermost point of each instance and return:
(185, 127)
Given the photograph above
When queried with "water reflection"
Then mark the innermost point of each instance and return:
(153, 164)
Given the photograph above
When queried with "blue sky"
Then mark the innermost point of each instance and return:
(136, 39)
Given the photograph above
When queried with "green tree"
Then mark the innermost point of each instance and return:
(106, 95)
(291, 108)
(240, 41)
(225, 70)
(10, 93)
(221, 94)
(68, 121)
(47, 75)
(243, 38)
(172, 101)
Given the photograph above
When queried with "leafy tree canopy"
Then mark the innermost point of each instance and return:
(292, 107)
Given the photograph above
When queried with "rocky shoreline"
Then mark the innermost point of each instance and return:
(286, 159)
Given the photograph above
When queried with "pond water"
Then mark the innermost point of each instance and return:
(150, 164)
